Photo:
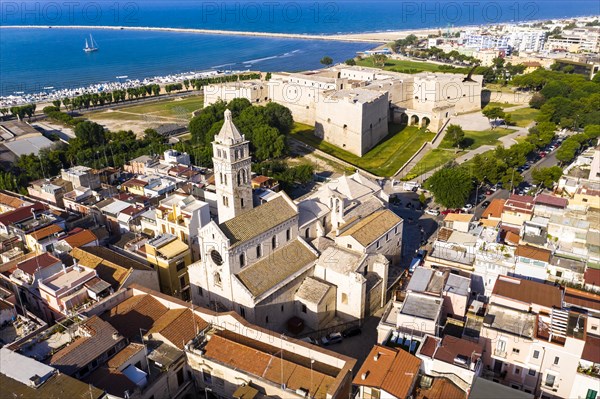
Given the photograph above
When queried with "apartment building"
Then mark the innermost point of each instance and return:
(532, 342)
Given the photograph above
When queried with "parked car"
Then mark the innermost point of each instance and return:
(432, 212)
(333, 338)
(351, 331)
(485, 204)
(489, 192)
(543, 154)
(467, 208)
(447, 211)
(310, 340)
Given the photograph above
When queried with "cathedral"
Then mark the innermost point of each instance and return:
(322, 261)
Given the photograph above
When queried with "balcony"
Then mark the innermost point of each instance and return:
(500, 353)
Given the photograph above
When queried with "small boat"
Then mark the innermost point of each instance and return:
(91, 46)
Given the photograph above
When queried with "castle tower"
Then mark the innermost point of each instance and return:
(231, 160)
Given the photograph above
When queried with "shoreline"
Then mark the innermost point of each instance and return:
(366, 37)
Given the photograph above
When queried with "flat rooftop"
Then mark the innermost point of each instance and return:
(510, 320)
(67, 279)
(423, 306)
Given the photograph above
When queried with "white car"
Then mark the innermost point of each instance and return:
(432, 212)
(467, 208)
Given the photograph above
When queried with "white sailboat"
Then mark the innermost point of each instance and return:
(91, 46)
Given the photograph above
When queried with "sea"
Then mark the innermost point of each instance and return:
(33, 58)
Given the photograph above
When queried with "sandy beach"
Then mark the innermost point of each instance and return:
(373, 37)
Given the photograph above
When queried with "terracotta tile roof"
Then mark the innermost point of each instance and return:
(86, 348)
(582, 299)
(512, 238)
(179, 326)
(592, 276)
(494, 209)
(531, 252)
(237, 356)
(489, 223)
(46, 232)
(111, 266)
(442, 388)
(276, 267)
(258, 220)
(591, 350)
(139, 311)
(394, 371)
(110, 380)
(519, 203)
(124, 355)
(452, 347)
(528, 291)
(11, 202)
(59, 386)
(458, 217)
(260, 179)
(531, 64)
(370, 228)
(265, 362)
(551, 200)
(135, 183)
(80, 238)
(20, 214)
(429, 346)
(41, 261)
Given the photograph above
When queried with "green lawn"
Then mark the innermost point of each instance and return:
(383, 160)
(498, 87)
(501, 105)
(433, 159)
(408, 66)
(171, 108)
(116, 116)
(524, 116)
(474, 139)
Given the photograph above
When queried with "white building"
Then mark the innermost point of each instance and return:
(231, 159)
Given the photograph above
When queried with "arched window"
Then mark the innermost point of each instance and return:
(274, 242)
(307, 232)
(217, 278)
(242, 259)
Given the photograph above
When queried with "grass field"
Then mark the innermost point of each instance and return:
(408, 66)
(524, 116)
(383, 160)
(474, 139)
(167, 109)
(501, 105)
(433, 159)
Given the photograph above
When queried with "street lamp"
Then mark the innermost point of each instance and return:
(311, 376)
(206, 391)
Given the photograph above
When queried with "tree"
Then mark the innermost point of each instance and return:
(494, 113)
(450, 186)
(422, 198)
(269, 143)
(537, 100)
(350, 61)
(90, 134)
(326, 61)
(546, 177)
(237, 105)
(379, 60)
(455, 134)
(56, 103)
(279, 117)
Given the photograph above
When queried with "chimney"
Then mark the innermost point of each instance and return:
(364, 375)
